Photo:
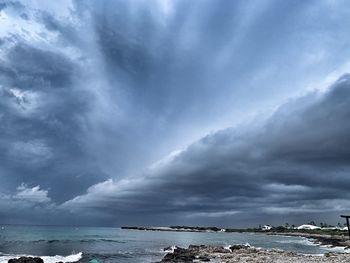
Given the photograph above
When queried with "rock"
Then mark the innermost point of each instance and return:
(219, 250)
(333, 242)
(170, 248)
(236, 247)
(203, 258)
(196, 248)
(26, 260)
(193, 253)
(245, 253)
(180, 255)
(167, 248)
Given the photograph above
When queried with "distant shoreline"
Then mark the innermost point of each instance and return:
(332, 238)
(175, 229)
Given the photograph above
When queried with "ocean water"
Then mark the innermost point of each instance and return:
(71, 244)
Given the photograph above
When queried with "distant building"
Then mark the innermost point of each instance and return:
(308, 227)
(266, 228)
(331, 228)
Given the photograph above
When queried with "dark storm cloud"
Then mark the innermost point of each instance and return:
(43, 118)
(11, 4)
(296, 163)
(39, 69)
(163, 68)
(93, 92)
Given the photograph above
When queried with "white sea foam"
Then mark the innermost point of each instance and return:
(246, 244)
(227, 247)
(336, 249)
(171, 249)
(302, 241)
(47, 259)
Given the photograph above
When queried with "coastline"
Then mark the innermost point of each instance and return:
(211, 249)
(231, 254)
(322, 238)
(335, 240)
(245, 253)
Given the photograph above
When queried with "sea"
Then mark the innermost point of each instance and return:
(82, 244)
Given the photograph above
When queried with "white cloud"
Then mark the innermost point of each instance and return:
(33, 195)
(331, 77)
(13, 24)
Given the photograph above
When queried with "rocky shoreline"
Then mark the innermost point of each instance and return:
(28, 260)
(231, 254)
(245, 253)
(242, 253)
(319, 239)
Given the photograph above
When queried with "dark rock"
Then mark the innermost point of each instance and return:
(203, 258)
(219, 250)
(196, 247)
(236, 247)
(333, 242)
(170, 248)
(167, 248)
(26, 260)
(180, 255)
(193, 252)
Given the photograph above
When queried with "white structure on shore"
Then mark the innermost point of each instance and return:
(333, 228)
(308, 227)
(266, 228)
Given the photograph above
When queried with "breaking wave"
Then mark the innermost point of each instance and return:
(47, 259)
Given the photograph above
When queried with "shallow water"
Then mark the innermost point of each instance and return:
(126, 246)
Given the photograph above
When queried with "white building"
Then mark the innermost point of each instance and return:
(330, 228)
(266, 227)
(308, 227)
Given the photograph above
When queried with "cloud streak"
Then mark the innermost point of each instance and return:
(295, 163)
(170, 111)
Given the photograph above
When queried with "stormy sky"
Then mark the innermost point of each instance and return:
(162, 112)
